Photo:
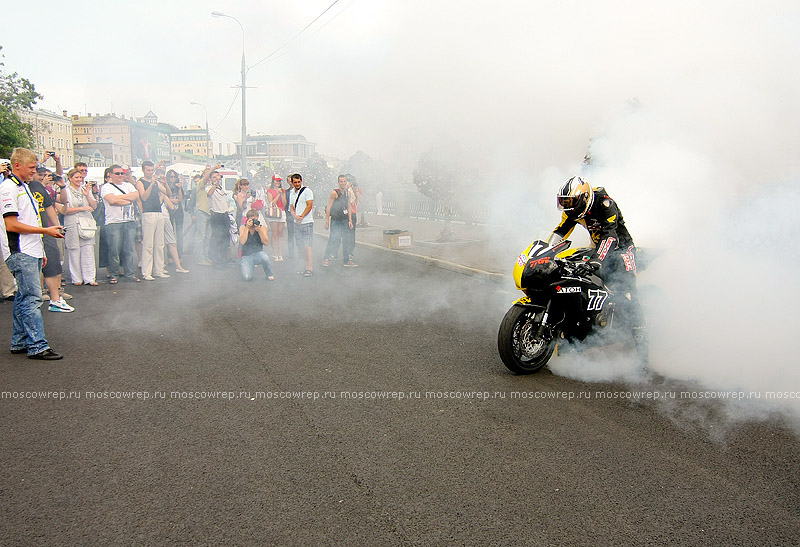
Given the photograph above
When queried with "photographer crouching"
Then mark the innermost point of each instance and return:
(253, 236)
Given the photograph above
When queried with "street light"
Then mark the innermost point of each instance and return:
(244, 88)
(208, 137)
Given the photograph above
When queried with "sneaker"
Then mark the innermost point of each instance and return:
(45, 296)
(60, 306)
(19, 351)
(163, 275)
(64, 295)
(350, 264)
(149, 278)
(46, 355)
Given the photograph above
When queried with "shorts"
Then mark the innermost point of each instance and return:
(304, 234)
(53, 266)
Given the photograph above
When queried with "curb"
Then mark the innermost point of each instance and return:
(431, 261)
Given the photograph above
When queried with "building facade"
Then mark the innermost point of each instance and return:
(134, 141)
(279, 152)
(112, 132)
(192, 142)
(51, 132)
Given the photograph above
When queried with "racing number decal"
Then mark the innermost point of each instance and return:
(596, 299)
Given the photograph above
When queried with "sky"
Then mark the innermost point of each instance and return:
(531, 80)
(690, 110)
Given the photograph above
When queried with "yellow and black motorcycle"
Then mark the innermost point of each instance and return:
(565, 301)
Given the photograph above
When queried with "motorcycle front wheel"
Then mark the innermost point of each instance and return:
(522, 348)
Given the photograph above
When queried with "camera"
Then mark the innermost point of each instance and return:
(256, 222)
(50, 154)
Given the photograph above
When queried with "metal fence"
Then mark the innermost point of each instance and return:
(469, 209)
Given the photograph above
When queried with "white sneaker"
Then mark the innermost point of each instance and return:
(60, 306)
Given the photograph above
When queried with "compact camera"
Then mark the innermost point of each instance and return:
(256, 222)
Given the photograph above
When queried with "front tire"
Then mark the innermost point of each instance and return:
(520, 349)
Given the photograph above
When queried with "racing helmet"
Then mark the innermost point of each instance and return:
(575, 196)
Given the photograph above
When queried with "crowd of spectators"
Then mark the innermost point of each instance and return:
(131, 229)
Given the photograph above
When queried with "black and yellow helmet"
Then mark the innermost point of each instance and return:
(575, 196)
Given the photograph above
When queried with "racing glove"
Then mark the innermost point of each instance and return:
(587, 268)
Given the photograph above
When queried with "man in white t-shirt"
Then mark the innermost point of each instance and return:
(120, 197)
(301, 203)
(23, 250)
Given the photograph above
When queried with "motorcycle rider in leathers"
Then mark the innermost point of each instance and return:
(614, 255)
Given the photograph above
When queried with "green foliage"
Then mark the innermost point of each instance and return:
(16, 93)
(317, 175)
(368, 172)
(441, 172)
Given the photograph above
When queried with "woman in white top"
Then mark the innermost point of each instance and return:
(80, 203)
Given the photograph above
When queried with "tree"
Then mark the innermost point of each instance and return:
(441, 175)
(16, 93)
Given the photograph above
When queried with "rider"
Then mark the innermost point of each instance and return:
(613, 257)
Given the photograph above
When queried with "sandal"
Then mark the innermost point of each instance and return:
(113, 281)
(93, 284)
(308, 273)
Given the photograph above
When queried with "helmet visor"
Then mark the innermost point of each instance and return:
(568, 203)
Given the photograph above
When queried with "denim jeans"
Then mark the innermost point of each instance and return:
(248, 265)
(349, 240)
(28, 327)
(338, 233)
(120, 239)
(220, 238)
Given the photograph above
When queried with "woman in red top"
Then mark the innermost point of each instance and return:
(276, 215)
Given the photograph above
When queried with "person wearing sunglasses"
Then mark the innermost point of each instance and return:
(120, 197)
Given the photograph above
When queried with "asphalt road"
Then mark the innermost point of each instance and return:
(202, 409)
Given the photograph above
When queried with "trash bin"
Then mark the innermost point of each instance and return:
(398, 239)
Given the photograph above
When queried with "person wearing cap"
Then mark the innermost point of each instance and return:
(23, 251)
(52, 270)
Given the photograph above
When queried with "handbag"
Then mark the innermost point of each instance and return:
(87, 227)
(274, 212)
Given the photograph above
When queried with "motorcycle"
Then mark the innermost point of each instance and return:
(564, 302)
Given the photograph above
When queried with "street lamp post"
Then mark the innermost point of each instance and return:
(208, 137)
(244, 93)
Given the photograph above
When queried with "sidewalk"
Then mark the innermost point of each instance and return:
(473, 254)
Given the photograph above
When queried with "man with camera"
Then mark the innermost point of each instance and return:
(252, 237)
(49, 208)
(7, 284)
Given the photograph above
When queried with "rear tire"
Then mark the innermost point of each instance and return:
(519, 348)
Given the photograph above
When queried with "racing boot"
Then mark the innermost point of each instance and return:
(642, 345)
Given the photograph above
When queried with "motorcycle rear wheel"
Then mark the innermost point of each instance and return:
(520, 349)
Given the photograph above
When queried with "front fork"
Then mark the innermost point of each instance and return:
(526, 301)
(543, 324)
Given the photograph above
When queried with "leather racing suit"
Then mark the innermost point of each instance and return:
(614, 255)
